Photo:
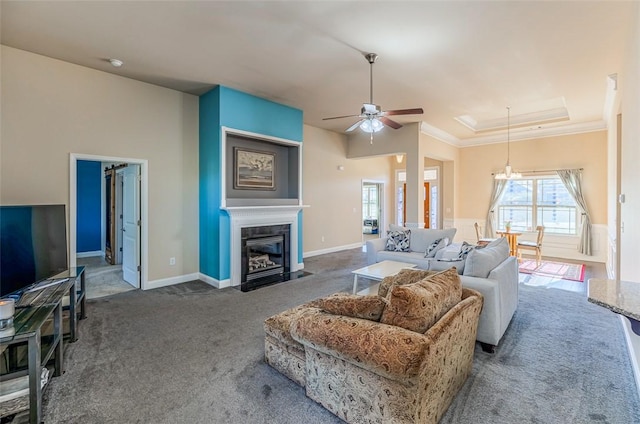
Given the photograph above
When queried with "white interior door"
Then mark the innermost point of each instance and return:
(131, 225)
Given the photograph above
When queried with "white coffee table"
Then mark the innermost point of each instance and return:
(378, 271)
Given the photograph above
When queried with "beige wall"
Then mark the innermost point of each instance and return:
(449, 156)
(335, 196)
(630, 158)
(52, 108)
(588, 151)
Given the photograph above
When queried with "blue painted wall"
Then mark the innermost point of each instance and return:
(88, 198)
(231, 108)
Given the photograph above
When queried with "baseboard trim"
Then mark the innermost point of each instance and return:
(219, 284)
(331, 250)
(163, 282)
(89, 254)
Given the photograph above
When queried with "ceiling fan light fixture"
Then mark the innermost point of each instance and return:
(371, 125)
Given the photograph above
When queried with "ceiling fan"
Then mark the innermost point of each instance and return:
(372, 117)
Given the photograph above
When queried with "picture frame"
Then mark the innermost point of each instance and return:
(253, 169)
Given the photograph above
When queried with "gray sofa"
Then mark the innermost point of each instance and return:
(489, 270)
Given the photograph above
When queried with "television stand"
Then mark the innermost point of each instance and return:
(28, 324)
(77, 298)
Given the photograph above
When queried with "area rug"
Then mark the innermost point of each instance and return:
(564, 271)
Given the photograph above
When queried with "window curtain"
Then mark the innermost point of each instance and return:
(496, 194)
(571, 180)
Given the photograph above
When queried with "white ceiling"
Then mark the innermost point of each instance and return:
(453, 59)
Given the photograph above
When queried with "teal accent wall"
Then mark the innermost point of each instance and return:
(89, 205)
(226, 107)
(210, 174)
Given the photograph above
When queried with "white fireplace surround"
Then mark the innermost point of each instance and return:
(258, 216)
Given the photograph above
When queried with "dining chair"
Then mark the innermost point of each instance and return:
(481, 240)
(532, 245)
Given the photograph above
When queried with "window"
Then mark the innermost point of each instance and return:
(369, 202)
(529, 202)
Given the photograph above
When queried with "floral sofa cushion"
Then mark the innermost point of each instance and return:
(371, 345)
(418, 306)
(366, 307)
(405, 276)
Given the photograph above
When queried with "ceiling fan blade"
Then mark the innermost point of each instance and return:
(340, 117)
(388, 122)
(416, 111)
(354, 126)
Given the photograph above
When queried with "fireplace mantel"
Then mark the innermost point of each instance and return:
(256, 216)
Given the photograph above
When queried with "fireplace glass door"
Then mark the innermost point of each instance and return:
(265, 256)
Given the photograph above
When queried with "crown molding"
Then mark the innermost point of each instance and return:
(515, 134)
(528, 134)
(523, 119)
(439, 134)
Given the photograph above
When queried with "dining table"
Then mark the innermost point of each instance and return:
(512, 238)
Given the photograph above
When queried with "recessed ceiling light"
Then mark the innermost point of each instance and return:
(116, 62)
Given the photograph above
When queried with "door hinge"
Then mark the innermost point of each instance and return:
(138, 268)
(121, 249)
(138, 223)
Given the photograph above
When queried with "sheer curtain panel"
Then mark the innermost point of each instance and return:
(496, 194)
(572, 181)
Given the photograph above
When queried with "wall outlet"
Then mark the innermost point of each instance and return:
(322, 239)
(172, 261)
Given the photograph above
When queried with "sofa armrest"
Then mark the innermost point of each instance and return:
(507, 275)
(450, 358)
(373, 247)
(390, 351)
(500, 291)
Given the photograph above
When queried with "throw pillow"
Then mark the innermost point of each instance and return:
(365, 307)
(398, 241)
(464, 250)
(433, 248)
(454, 252)
(480, 262)
(405, 276)
(418, 306)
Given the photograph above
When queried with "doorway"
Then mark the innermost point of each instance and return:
(427, 205)
(372, 207)
(123, 253)
(431, 198)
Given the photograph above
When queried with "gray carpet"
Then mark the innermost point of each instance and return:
(193, 354)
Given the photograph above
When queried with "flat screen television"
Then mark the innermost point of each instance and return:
(33, 245)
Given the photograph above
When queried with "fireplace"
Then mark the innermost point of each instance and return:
(264, 255)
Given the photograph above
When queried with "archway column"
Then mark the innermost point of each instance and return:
(415, 186)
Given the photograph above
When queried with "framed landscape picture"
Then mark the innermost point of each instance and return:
(254, 170)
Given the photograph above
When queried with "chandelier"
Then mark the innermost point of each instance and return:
(508, 173)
